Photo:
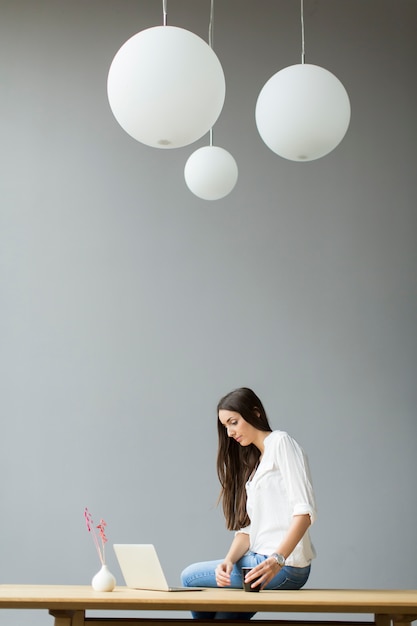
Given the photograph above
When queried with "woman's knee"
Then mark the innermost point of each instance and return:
(199, 575)
(186, 575)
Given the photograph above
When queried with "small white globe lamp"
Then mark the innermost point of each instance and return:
(303, 112)
(211, 173)
(166, 87)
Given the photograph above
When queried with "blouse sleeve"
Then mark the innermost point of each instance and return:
(293, 464)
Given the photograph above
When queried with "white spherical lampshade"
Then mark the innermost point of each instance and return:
(303, 112)
(211, 173)
(166, 87)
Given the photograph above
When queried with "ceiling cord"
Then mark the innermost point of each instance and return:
(303, 53)
(210, 40)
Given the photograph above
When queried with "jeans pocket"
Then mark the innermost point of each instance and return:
(292, 578)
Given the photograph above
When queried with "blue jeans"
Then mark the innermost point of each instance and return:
(203, 575)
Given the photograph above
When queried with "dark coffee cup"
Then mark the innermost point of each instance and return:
(247, 586)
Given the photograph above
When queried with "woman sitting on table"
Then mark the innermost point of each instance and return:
(267, 498)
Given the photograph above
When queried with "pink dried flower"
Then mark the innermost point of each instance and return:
(101, 528)
(88, 519)
(91, 529)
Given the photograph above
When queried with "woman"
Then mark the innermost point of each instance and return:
(267, 498)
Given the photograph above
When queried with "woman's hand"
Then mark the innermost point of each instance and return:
(223, 571)
(263, 573)
(240, 545)
(269, 568)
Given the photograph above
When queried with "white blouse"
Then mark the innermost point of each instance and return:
(280, 488)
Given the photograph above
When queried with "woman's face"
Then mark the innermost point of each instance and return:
(240, 430)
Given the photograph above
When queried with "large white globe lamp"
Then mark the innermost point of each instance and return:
(166, 87)
(211, 173)
(303, 112)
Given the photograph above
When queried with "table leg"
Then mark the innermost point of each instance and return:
(68, 618)
(403, 620)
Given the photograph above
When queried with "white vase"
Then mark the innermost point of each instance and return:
(103, 580)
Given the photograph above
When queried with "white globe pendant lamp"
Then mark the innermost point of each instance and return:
(166, 87)
(303, 111)
(211, 173)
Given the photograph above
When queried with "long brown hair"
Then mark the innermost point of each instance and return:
(235, 463)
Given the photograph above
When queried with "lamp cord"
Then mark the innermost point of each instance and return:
(210, 38)
(164, 12)
(303, 52)
(211, 24)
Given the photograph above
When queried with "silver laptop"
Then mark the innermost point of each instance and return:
(141, 568)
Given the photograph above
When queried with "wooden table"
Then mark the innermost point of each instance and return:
(68, 604)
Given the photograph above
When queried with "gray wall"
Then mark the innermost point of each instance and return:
(129, 306)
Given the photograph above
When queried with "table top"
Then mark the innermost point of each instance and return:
(121, 598)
